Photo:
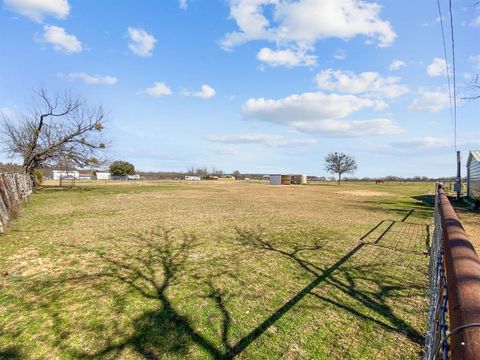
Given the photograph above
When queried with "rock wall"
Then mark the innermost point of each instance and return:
(15, 189)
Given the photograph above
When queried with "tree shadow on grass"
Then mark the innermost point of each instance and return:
(368, 300)
(150, 263)
(150, 273)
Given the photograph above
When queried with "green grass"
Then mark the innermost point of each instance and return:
(216, 270)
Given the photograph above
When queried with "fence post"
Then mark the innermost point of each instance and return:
(463, 279)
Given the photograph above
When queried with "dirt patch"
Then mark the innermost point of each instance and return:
(363, 193)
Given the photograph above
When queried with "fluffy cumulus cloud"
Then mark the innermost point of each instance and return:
(437, 68)
(141, 43)
(90, 79)
(205, 92)
(260, 138)
(286, 57)
(430, 101)
(60, 40)
(368, 83)
(317, 112)
(37, 10)
(302, 23)
(158, 89)
(396, 65)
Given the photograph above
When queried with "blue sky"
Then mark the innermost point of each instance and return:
(261, 86)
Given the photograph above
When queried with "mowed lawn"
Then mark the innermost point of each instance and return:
(177, 270)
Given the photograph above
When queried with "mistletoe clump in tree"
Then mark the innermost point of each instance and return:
(56, 129)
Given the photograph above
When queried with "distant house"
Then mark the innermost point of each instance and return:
(473, 175)
(85, 177)
(192, 178)
(133, 177)
(103, 176)
(65, 175)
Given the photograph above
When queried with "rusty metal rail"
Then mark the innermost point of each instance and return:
(453, 255)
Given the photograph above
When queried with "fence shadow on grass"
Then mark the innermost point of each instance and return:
(374, 301)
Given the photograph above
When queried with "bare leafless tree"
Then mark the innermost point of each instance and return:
(56, 128)
(340, 163)
(473, 90)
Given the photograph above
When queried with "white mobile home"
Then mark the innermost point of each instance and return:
(60, 174)
(104, 176)
(473, 175)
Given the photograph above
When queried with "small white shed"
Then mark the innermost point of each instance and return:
(473, 175)
(276, 179)
(104, 176)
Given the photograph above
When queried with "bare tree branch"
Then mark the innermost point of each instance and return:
(57, 128)
(340, 163)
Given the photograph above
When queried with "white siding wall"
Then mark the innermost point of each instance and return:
(474, 180)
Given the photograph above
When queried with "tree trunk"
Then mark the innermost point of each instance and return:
(31, 173)
(339, 178)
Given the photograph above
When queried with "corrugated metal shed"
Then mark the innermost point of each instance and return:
(473, 175)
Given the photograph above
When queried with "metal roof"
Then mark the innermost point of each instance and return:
(474, 154)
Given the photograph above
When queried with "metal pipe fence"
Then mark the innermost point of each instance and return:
(453, 330)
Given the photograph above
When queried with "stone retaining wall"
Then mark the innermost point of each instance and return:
(15, 189)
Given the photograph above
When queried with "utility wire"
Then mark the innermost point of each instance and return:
(452, 118)
(453, 70)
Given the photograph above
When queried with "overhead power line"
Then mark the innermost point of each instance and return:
(452, 116)
(454, 74)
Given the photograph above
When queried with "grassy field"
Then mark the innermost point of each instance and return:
(175, 270)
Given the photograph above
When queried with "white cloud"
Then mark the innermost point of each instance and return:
(183, 4)
(347, 128)
(61, 41)
(321, 113)
(396, 65)
(206, 92)
(37, 10)
(287, 57)
(304, 22)
(431, 101)
(158, 89)
(368, 83)
(260, 138)
(91, 79)
(141, 43)
(306, 106)
(437, 68)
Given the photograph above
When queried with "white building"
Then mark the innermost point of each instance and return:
(192, 178)
(104, 176)
(473, 175)
(65, 175)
